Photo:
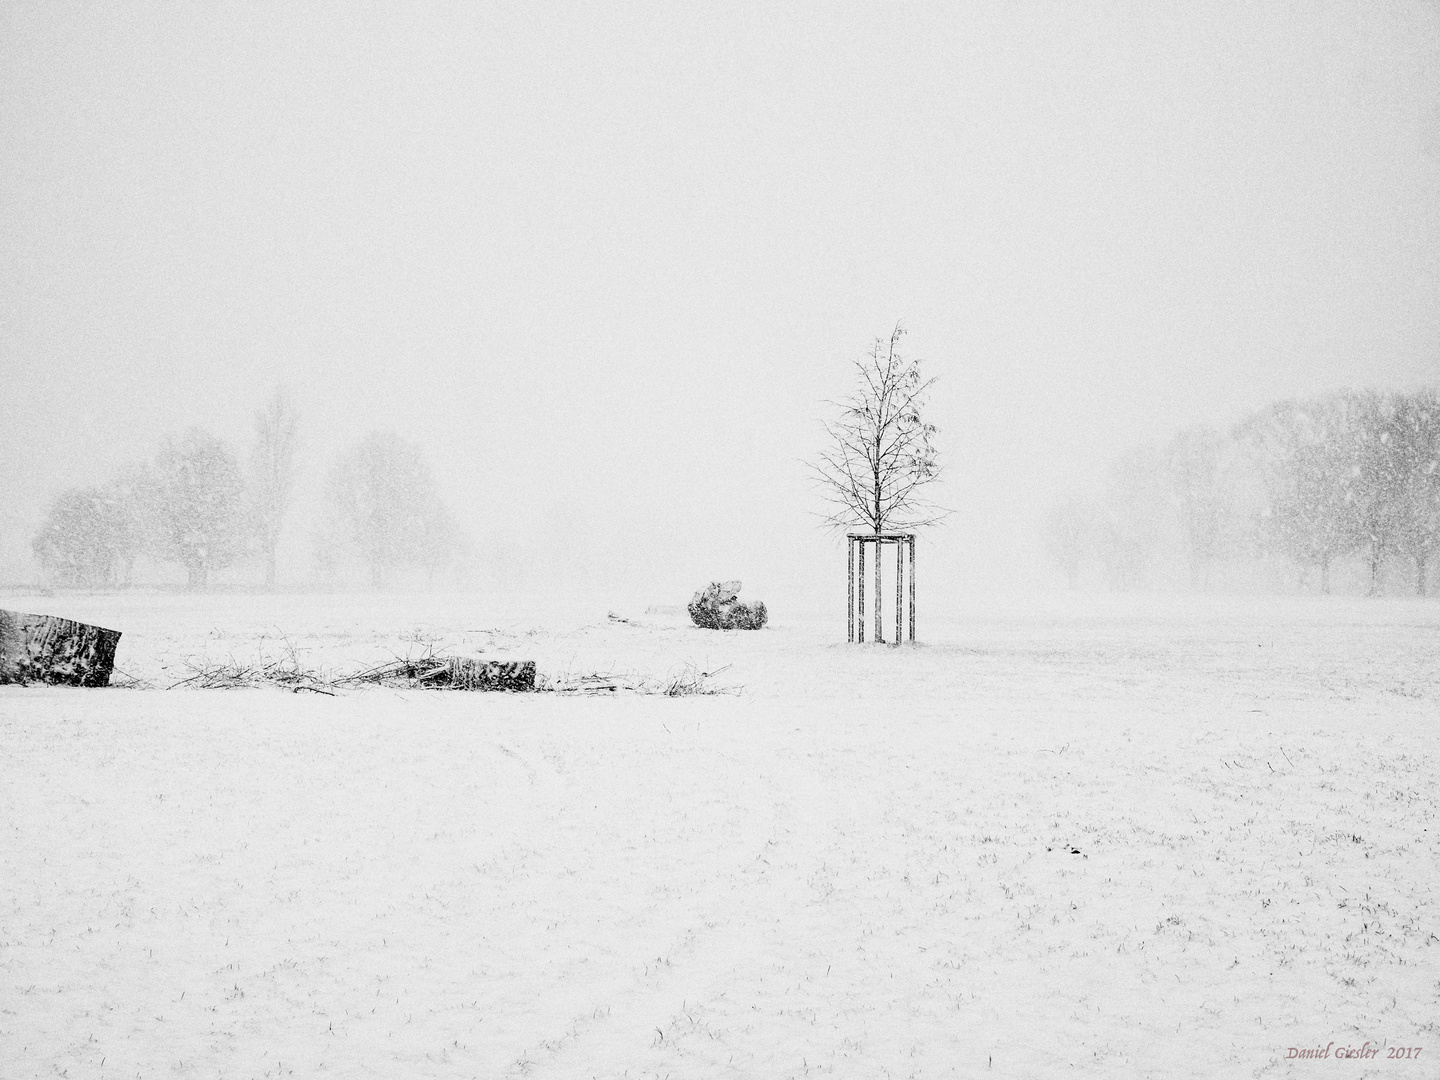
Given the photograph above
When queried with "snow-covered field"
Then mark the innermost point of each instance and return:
(1093, 836)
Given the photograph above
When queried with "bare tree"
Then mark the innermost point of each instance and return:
(1132, 518)
(1070, 534)
(192, 503)
(879, 453)
(1305, 451)
(382, 499)
(1416, 434)
(1196, 461)
(1377, 478)
(90, 537)
(272, 474)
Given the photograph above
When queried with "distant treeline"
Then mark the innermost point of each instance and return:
(195, 505)
(1291, 494)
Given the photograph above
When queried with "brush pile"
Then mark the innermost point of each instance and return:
(230, 673)
(688, 681)
(427, 672)
(428, 669)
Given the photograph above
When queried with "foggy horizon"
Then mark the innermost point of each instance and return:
(606, 268)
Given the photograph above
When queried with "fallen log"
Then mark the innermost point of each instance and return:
(46, 649)
(467, 673)
(452, 673)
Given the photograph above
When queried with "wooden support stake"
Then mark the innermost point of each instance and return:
(849, 589)
(912, 590)
(899, 582)
(860, 580)
(879, 595)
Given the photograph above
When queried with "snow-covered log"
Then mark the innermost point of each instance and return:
(46, 649)
(466, 673)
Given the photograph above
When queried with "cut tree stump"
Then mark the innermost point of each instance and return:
(46, 649)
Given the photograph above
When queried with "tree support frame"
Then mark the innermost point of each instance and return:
(856, 544)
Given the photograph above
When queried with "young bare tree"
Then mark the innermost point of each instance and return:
(272, 473)
(879, 453)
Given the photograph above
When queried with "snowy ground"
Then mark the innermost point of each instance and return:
(1095, 837)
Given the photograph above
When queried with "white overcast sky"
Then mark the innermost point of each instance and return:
(604, 261)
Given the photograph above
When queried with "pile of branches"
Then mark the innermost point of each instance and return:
(690, 680)
(230, 673)
(425, 672)
(432, 671)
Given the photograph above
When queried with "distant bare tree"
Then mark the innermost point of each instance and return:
(382, 499)
(1069, 534)
(90, 537)
(1415, 424)
(879, 454)
(1195, 460)
(1307, 455)
(442, 543)
(1377, 477)
(1132, 518)
(272, 474)
(193, 505)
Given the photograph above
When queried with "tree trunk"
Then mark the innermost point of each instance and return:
(1420, 559)
(42, 648)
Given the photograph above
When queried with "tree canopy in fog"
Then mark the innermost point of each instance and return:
(186, 507)
(1351, 475)
(90, 537)
(1196, 461)
(191, 503)
(878, 453)
(382, 501)
(194, 506)
(1416, 423)
(1336, 469)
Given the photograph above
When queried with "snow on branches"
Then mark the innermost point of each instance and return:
(879, 453)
